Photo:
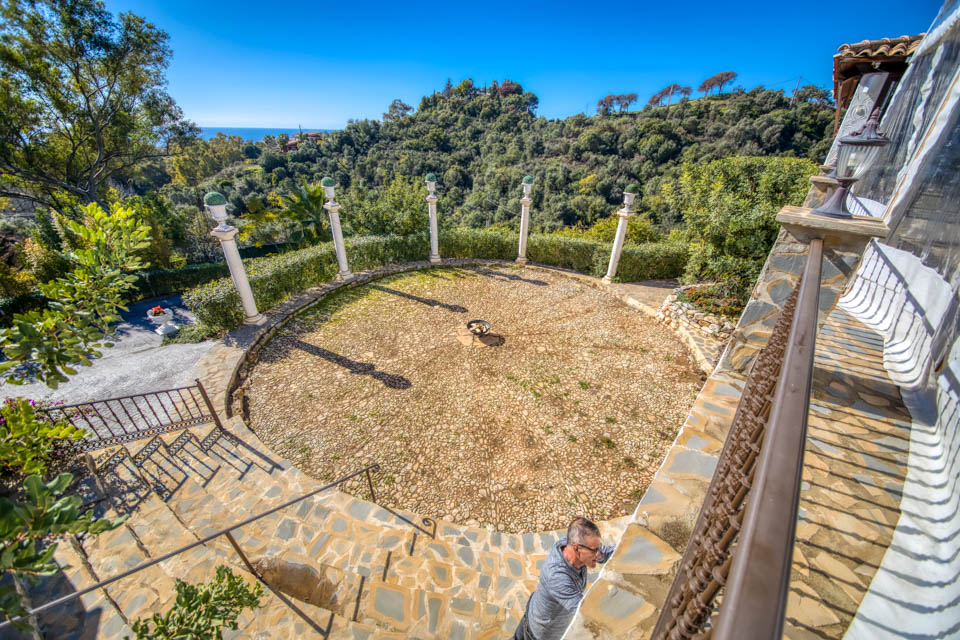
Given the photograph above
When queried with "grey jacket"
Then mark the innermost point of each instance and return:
(560, 590)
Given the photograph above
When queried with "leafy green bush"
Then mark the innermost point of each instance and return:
(9, 307)
(27, 440)
(477, 243)
(639, 230)
(29, 530)
(84, 303)
(201, 611)
(153, 283)
(217, 304)
(730, 207)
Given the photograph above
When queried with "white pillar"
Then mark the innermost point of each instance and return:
(624, 213)
(226, 234)
(432, 209)
(525, 203)
(333, 210)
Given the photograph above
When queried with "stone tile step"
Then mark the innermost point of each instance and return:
(90, 615)
(430, 614)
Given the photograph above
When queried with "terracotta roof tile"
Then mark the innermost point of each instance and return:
(883, 48)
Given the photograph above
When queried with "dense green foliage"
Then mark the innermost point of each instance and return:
(217, 304)
(480, 143)
(82, 99)
(29, 531)
(202, 611)
(82, 304)
(729, 208)
(28, 440)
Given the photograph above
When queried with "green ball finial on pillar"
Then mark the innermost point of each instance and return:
(213, 198)
(527, 180)
(633, 188)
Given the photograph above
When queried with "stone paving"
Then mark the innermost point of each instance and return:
(481, 436)
(853, 476)
(472, 582)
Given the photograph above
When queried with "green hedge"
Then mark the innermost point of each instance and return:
(217, 304)
(273, 279)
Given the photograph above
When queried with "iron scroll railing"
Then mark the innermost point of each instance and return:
(227, 532)
(127, 418)
(733, 579)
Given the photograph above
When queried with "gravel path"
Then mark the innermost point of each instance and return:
(135, 364)
(571, 414)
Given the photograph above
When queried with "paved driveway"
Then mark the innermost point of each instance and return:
(135, 364)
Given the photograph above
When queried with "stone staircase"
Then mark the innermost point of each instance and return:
(337, 566)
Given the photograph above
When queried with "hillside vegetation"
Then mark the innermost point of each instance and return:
(481, 142)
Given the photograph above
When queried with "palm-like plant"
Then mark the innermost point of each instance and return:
(303, 209)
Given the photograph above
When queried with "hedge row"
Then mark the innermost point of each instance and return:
(273, 279)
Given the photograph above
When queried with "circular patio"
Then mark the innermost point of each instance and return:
(566, 407)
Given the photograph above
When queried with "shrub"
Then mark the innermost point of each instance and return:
(31, 530)
(29, 441)
(161, 282)
(201, 611)
(32, 301)
(730, 207)
(217, 304)
(716, 299)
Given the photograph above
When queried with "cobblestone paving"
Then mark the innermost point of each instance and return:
(478, 435)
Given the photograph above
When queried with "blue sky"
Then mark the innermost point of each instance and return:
(317, 64)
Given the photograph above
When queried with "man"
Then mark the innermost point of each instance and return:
(562, 582)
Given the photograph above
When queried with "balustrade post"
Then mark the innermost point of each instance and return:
(216, 205)
(629, 194)
(432, 209)
(333, 210)
(525, 203)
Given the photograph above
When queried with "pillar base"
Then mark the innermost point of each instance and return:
(435, 259)
(521, 260)
(258, 319)
(606, 280)
(344, 275)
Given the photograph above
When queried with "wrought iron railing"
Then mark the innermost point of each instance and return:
(127, 418)
(733, 579)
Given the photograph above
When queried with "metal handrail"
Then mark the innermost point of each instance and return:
(741, 547)
(755, 600)
(223, 532)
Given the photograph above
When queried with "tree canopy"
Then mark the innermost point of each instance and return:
(82, 97)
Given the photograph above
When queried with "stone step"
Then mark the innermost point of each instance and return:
(91, 614)
(154, 526)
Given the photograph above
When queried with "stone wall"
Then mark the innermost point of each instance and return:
(676, 312)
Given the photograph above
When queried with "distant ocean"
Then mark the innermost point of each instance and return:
(250, 133)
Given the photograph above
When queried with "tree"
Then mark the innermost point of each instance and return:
(303, 208)
(605, 104)
(626, 100)
(398, 109)
(707, 85)
(83, 303)
(724, 77)
(82, 97)
(29, 532)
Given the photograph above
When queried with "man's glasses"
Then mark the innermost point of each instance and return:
(595, 551)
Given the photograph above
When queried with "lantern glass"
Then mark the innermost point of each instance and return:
(846, 157)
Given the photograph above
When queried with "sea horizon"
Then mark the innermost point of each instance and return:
(253, 134)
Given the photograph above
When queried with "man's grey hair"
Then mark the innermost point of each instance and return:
(580, 529)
